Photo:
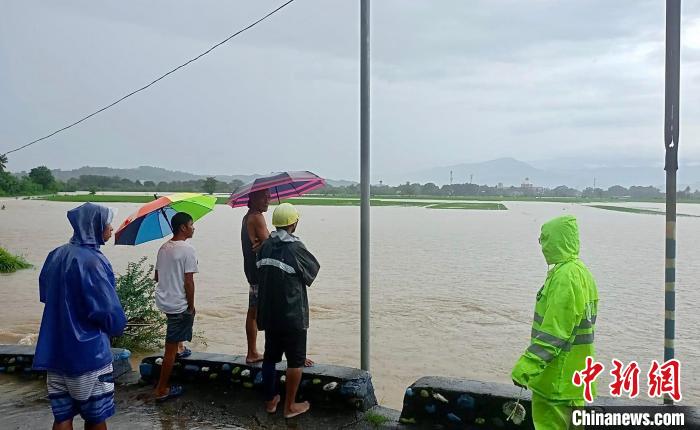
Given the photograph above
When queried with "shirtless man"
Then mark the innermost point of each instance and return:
(253, 233)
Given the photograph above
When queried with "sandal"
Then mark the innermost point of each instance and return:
(175, 391)
(184, 354)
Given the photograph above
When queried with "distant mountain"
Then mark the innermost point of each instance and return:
(143, 173)
(508, 171)
(158, 174)
(552, 173)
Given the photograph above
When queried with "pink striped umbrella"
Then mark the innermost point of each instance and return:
(281, 185)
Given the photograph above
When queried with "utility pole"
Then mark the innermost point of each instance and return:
(671, 128)
(365, 185)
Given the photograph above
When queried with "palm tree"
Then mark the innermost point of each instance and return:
(3, 162)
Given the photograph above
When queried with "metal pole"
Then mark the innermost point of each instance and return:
(364, 184)
(673, 38)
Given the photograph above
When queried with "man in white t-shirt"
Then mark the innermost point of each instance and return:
(175, 269)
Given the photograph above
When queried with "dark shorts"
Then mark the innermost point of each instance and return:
(291, 343)
(179, 327)
(253, 296)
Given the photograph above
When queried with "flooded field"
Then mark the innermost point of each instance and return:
(452, 290)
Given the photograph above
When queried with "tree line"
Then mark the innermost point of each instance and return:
(475, 190)
(40, 180)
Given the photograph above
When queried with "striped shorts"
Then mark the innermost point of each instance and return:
(91, 395)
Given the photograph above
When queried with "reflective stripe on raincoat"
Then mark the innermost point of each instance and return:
(564, 322)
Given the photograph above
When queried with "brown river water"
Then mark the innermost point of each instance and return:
(452, 290)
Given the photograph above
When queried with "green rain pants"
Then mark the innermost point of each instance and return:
(552, 414)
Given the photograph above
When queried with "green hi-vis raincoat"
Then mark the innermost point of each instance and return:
(564, 321)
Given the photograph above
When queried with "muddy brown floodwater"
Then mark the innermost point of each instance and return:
(452, 290)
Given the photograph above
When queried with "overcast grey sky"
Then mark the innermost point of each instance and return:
(452, 81)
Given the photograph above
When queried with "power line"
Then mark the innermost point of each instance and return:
(154, 81)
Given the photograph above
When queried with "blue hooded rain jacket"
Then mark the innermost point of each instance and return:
(82, 310)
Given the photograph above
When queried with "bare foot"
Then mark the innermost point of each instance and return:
(253, 358)
(157, 394)
(271, 406)
(296, 409)
(308, 363)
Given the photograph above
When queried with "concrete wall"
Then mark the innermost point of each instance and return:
(435, 401)
(431, 401)
(458, 403)
(325, 385)
(17, 359)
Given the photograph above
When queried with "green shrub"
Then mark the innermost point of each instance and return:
(145, 329)
(11, 263)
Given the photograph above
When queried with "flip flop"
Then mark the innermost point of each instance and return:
(296, 414)
(184, 354)
(175, 391)
(276, 404)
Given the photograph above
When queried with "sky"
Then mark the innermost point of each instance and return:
(451, 82)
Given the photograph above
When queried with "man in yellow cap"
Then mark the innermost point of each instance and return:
(285, 269)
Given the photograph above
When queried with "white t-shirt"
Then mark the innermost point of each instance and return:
(175, 258)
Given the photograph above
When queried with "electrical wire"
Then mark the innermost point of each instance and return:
(154, 81)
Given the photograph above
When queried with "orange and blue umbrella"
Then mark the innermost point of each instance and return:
(282, 185)
(152, 220)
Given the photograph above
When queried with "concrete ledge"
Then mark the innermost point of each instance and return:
(324, 385)
(18, 359)
(461, 403)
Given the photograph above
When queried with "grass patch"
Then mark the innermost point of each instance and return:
(301, 201)
(637, 210)
(377, 420)
(484, 206)
(11, 263)
(350, 201)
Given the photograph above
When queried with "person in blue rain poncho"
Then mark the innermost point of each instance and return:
(81, 313)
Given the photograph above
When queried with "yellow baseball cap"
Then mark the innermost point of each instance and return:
(285, 214)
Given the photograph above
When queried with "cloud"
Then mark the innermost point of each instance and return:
(452, 81)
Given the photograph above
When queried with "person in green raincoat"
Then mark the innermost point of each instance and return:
(562, 329)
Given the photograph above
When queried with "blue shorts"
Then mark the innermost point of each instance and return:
(179, 327)
(91, 395)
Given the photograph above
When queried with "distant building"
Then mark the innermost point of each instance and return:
(527, 188)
